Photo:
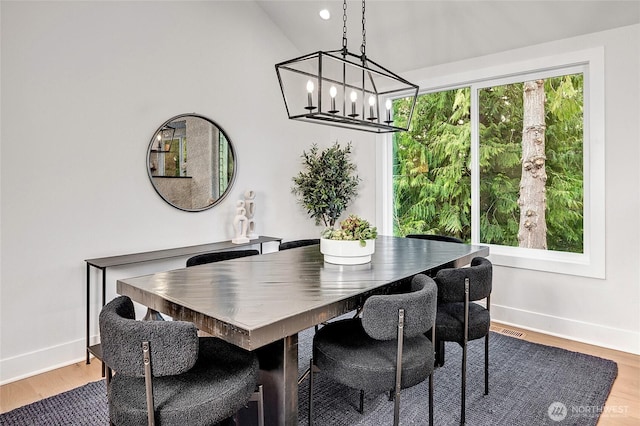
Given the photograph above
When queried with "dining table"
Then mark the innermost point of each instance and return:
(261, 303)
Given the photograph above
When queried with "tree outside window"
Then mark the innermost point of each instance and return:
(532, 200)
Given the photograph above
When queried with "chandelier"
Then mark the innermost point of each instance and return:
(342, 89)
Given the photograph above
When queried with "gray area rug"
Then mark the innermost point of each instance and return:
(529, 384)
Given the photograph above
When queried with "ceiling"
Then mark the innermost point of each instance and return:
(404, 35)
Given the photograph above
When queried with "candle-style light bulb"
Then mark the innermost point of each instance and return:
(333, 92)
(354, 98)
(372, 103)
(388, 105)
(310, 94)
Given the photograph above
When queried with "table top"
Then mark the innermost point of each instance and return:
(127, 259)
(256, 300)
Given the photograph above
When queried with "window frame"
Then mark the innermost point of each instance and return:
(589, 62)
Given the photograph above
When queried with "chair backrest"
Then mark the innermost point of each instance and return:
(451, 281)
(434, 237)
(298, 243)
(380, 312)
(219, 256)
(174, 344)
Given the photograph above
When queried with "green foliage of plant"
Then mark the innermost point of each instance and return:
(500, 130)
(431, 170)
(351, 229)
(432, 179)
(327, 183)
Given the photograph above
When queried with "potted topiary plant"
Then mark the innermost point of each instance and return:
(327, 184)
(351, 244)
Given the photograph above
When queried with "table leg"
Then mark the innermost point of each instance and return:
(279, 377)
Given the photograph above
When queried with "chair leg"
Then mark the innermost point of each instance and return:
(311, 392)
(486, 364)
(258, 397)
(396, 408)
(433, 340)
(431, 399)
(107, 381)
(361, 409)
(148, 382)
(463, 392)
(464, 384)
(439, 352)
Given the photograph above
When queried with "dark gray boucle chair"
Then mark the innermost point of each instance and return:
(218, 256)
(385, 349)
(298, 243)
(458, 320)
(164, 365)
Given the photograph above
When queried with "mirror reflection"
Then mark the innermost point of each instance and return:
(191, 162)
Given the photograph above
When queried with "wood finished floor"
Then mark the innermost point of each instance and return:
(623, 402)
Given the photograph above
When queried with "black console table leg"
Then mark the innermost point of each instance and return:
(88, 302)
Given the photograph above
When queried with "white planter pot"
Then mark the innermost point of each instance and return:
(340, 252)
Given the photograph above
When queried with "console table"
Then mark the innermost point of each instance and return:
(103, 263)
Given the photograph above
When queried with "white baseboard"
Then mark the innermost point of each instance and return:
(593, 334)
(31, 363)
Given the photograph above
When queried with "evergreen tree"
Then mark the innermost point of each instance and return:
(432, 185)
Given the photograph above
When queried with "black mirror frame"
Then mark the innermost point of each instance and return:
(231, 149)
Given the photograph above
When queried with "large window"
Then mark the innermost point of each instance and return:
(507, 161)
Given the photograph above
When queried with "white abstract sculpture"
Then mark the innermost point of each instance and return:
(240, 224)
(250, 208)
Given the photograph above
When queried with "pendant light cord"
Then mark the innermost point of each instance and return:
(364, 35)
(363, 46)
(344, 28)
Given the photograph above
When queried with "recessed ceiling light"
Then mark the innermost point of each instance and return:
(325, 14)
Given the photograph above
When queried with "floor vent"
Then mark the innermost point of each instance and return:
(507, 331)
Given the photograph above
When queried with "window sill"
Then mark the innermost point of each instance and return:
(548, 261)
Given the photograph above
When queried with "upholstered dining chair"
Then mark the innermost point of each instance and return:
(218, 256)
(458, 320)
(166, 374)
(298, 243)
(384, 349)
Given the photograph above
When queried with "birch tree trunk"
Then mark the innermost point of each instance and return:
(533, 200)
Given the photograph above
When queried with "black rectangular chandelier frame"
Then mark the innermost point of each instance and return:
(365, 85)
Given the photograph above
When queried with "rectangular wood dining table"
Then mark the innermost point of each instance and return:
(260, 303)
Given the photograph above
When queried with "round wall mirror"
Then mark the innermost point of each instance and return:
(191, 162)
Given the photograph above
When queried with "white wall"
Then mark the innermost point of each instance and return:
(603, 312)
(84, 87)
